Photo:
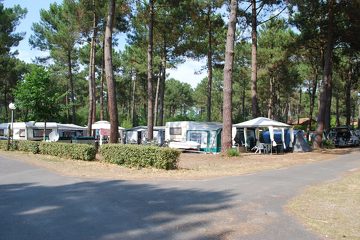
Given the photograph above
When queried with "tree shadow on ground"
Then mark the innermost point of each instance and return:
(111, 210)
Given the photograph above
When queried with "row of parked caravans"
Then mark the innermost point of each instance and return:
(183, 134)
(35, 130)
(205, 136)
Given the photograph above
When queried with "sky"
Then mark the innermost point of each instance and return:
(184, 72)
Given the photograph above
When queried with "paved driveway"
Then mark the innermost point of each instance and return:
(38, 204)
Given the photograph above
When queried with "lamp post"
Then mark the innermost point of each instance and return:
(12, 108)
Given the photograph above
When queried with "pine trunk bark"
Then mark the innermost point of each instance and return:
(209, 64)
(150, 112)
(254, 100)
(228, 70)
(113, 112)
(312, 93)
(102, 77)
(348, 87)
(337, 111)
(133, 101)
(92, 88)
(162, 85)
(271, 98)
(327, 78)
(72, 92)
(156, 105)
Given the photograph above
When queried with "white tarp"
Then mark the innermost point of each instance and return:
(261, 122)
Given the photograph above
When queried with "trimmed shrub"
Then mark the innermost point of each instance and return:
(68, 150)
(28, 146)
(4, 145)
(11, 147)
(140, 156)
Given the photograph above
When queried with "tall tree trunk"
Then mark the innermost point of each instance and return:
(299, 106)
(102, 77)
(327, 76)
(337, 111)
(44, 134)
(162, 85)
(72, 92)
(243, 98)
(254, 100)
(228, 70)
(156, 107)
(150, 113)
(348, 86)
(209, 63)
(133, 101)
(92, 88)
(312, 93)
(328, 107)
(271, 98)
(113, 112)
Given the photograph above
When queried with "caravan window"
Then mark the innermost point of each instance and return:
(2, 132)
(40, 132)
(195, 137)
(22, 133)
(175, 131)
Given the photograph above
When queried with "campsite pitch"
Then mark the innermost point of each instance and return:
(191, 165)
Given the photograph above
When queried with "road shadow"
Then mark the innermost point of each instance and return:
(111, 210)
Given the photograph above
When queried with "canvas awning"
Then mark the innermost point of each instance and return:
(262, 122)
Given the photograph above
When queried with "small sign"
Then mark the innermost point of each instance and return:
(105, 132)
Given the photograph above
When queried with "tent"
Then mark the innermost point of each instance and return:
(301, 144)
(262, 122)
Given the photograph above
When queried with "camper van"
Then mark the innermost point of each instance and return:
(207, 135)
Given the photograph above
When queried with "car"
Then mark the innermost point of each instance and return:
(343, 137)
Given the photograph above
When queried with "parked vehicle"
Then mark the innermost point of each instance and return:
(343, 137)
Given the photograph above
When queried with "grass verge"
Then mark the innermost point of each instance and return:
(331, 209)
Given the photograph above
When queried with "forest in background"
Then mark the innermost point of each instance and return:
(291, 59)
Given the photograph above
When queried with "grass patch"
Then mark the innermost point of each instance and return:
(331, 209)
(232, 152)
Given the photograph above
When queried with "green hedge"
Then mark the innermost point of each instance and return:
(3, 144)
(68, 150)
(28, 146)
(12, 146)
(140, 156)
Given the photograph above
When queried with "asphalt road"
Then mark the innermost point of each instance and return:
(38, 204)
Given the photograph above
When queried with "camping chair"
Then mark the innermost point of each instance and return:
(260, 148)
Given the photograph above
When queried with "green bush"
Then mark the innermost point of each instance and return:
(328, 144)
(232, 152)
(11, 147)
(68, 150)
(140, 156)
(4, 145)
(28, 146)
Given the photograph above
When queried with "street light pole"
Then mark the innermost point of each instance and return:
(12, 108)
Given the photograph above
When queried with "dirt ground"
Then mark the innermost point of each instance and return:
(191, 165)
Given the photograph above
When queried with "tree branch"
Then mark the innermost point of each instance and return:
(275, 16)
